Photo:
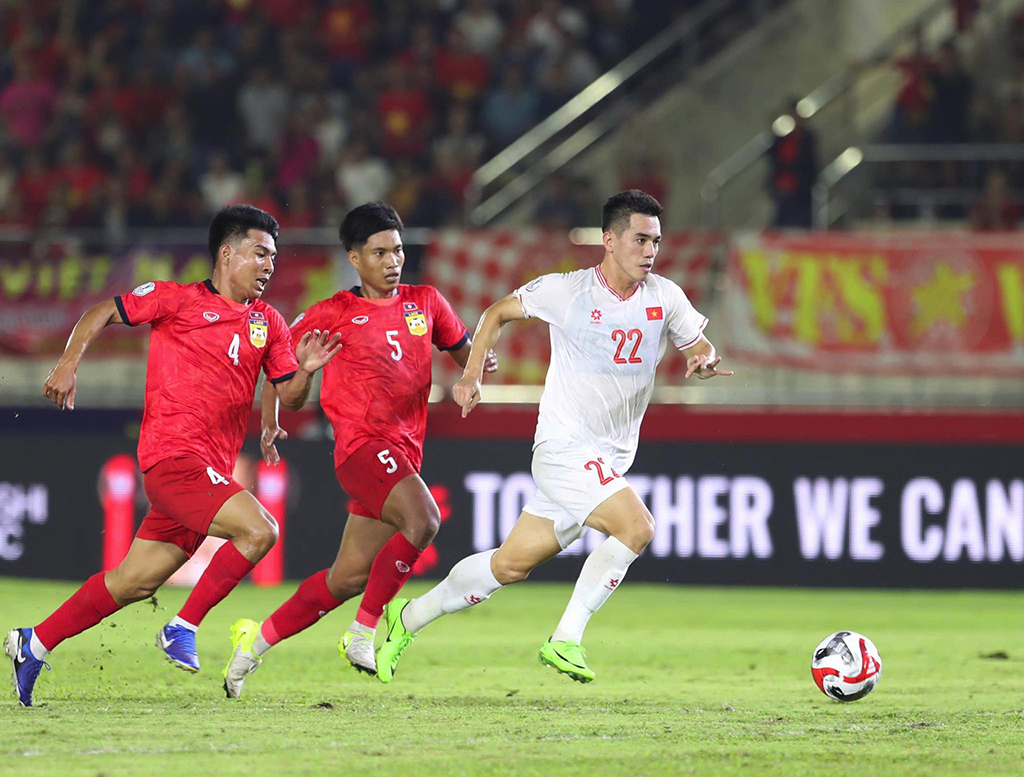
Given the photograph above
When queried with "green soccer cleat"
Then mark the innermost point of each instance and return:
(243, 662)
(568, 658)
(398, 639)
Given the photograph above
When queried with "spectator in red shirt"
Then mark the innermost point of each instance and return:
(82, 176)
(459, 71)
(26, 104)
(347, 27)
(996, 211)
(297, 151)
(34, 184)
(404, 113)
(794, 167)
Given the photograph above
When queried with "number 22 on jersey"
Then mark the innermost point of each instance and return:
(634, 336)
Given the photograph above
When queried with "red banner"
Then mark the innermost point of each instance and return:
(42, 296)
(948, 303)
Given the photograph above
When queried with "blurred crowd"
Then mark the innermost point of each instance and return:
(967, 94)
(155, 113)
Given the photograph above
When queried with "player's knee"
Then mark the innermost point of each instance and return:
(345, 585)
(421, 530)
(262, 535)
(637, 533)
(508, 571)
(125, 590)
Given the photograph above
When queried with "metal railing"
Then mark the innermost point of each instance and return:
(501, 181)
(856, 157)
(838, 86)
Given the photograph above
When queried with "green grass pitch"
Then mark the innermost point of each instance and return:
(689, 681)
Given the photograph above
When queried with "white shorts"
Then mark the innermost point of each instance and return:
(571, 481)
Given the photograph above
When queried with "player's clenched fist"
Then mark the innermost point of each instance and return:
(491, 362)
(467, 394)
(60, 386)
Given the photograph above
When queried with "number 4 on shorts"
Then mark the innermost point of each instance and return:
(216, 478)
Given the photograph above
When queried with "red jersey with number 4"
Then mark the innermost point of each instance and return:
(205, 354)
(377, 385)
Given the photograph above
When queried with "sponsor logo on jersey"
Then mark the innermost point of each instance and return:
(298, 318)
(257, 329)
(360, 319)
(655, 314)
(595, 316)
(211, 317)
(532, 285)
(144, 289)
(401, 566)
(416, 321)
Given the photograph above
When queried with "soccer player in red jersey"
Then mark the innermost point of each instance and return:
(209, 342)
(375, 395)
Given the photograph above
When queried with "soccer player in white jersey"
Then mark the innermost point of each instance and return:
(610, 326)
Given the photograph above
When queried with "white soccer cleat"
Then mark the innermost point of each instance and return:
(243, 663)
(359, 650)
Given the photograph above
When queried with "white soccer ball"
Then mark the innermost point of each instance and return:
(846, 666)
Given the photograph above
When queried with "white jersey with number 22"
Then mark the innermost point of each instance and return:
(604, 352)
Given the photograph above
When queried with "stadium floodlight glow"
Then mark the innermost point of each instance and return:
(586, 236)
(807, 107)
(850, 158)
(783, 125)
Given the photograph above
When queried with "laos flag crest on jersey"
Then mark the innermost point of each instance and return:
(257, 329)
(414, 319)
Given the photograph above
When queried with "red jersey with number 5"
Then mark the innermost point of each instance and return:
(377, 385)
(205, 354)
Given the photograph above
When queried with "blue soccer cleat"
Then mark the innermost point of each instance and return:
(179, 646)
(25, 667)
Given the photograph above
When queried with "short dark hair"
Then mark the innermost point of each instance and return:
(235, 221)
(366, 220)
(619, 209)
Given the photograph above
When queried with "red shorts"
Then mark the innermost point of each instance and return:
(369, 474)
(185, 495)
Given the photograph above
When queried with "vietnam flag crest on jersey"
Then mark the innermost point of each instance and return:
(414, 319)
(655, 314)
(257, 329)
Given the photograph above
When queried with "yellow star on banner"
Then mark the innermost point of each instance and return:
(941, 299)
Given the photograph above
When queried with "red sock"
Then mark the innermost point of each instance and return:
(87, 606)
(388, 574)
(226, 570)
(309, 604)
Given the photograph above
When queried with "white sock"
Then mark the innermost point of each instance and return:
(601, 574)
(176, 621)
(37, 647)
(260, 645)
(470, 582)
(359, 628)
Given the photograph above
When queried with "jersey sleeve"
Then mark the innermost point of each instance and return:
(279, 361)
(149, 303)
(312, 318)
(449, 332)
(547, 298)
(685, 323)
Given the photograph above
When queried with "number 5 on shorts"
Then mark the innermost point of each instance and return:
(386, 458)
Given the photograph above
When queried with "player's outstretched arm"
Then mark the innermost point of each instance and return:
(702, 361)
(270, 428)
(313, 352)
(467, 391)
(60, 385)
